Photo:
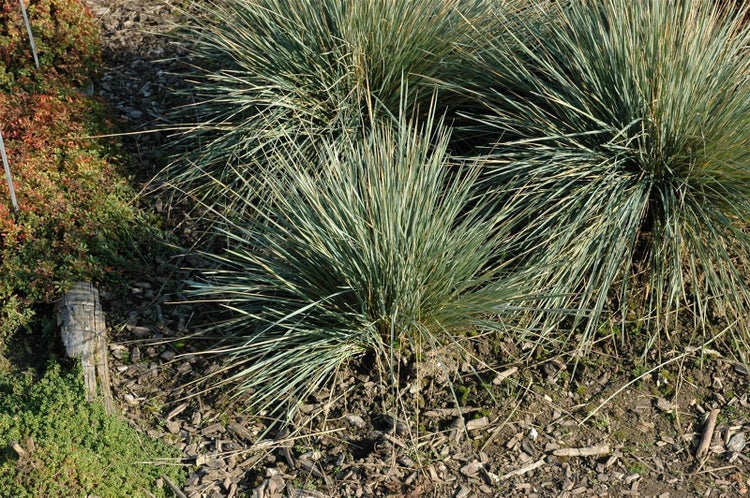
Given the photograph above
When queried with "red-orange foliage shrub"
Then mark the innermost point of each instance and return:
(66, 39)
(73, 205)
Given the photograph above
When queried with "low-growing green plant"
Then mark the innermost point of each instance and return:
(66, 40)
(272, 72)
(626, 127)
(378, 243)
(70, 447)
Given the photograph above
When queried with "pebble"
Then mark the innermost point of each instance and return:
(471, 469)
(356, 421)
(172, 426)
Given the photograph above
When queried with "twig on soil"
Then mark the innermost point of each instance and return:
(708, 434)
(688, 352)
(602, 449)
(717, 469)
(504, 375)
(450, 412)
(177, 492)
(524, 469)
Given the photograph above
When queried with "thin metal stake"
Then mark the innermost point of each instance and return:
(31, 35)
(7, 174)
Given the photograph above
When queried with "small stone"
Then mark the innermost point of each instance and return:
(736, 443)
(355, 421)
(139, 331)
(118, 351)
(663, 405)
(308, 408)
(172, 426)
(471, 468)
(130, 399)
(463, 492)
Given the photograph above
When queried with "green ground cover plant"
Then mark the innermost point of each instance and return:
(626, 126)
(69, 446)
(75, 220)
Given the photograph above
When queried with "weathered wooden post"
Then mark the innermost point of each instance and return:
(84, 334)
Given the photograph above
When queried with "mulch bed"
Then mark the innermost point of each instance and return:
(537, 430)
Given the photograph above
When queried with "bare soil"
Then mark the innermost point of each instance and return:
(603, 426)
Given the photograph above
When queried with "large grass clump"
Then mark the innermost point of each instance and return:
(377, 245)
(271, 72)
(625, 126)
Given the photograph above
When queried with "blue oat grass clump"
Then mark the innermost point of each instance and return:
(626, 127)
(269, 73)
(380, 243)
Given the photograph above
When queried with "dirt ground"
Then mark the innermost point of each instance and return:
(609, 427)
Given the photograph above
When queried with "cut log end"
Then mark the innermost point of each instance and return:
(84, 334)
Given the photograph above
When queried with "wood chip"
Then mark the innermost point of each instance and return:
(172, 426)
(504, 375)
(741, 368)
(471, 468)
(176, 411)
(477, 423)
(523, 470)
(241, 432)
(708, 434)
(580, 452)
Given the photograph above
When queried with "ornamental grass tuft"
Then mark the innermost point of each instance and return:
(625, 126)
(378, 244)
(271, 72)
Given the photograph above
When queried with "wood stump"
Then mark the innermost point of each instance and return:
(84, 334)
